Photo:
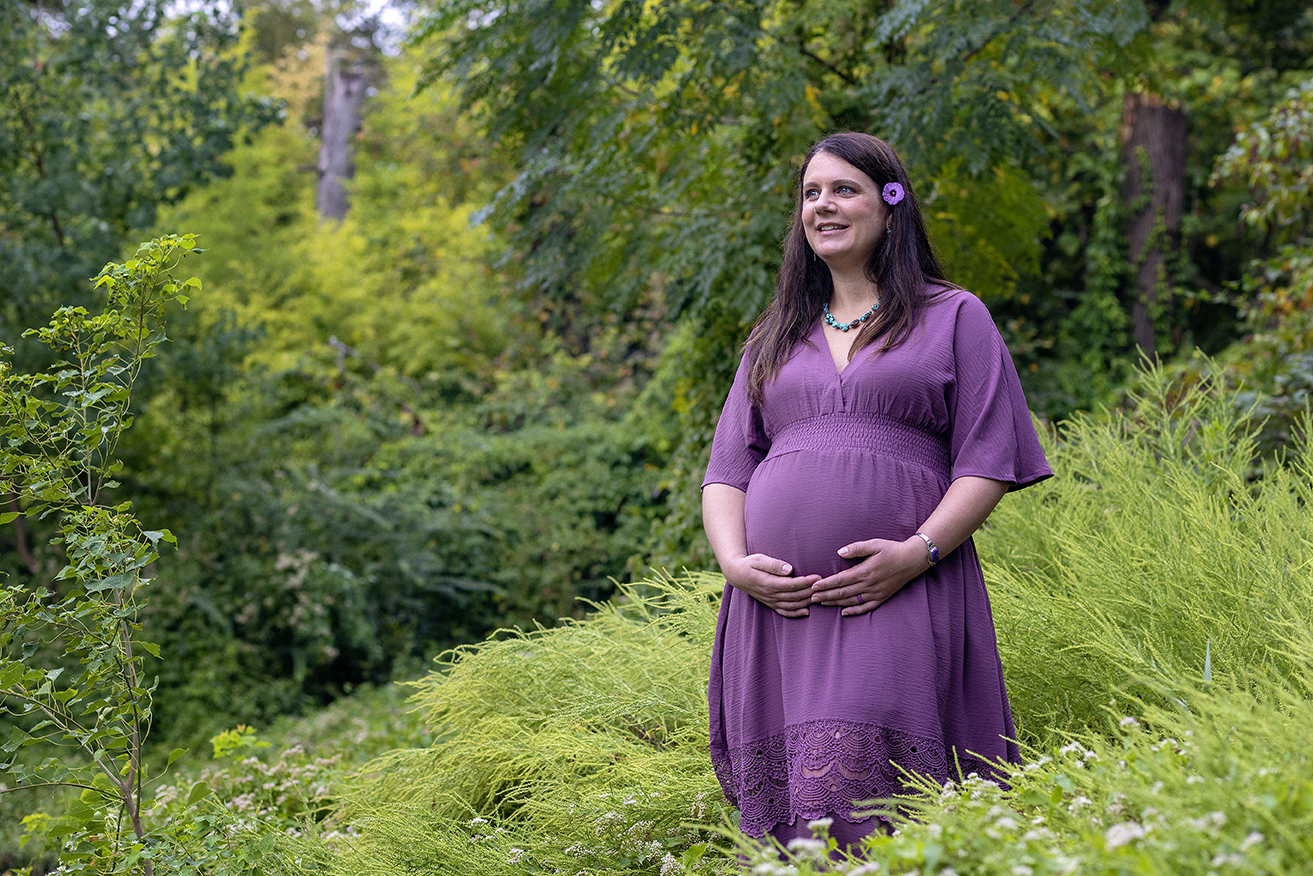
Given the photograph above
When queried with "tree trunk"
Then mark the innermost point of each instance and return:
(1154, 149)
(20, 537)
(343, 92)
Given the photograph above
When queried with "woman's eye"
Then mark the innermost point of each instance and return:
(810, 193)
(845, 189)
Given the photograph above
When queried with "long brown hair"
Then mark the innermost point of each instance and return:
(902, 265)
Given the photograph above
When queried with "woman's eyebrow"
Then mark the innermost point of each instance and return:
(809, 184)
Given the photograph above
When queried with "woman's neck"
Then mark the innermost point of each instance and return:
(852, 293)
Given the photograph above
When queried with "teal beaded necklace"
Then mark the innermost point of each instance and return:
(844, 326)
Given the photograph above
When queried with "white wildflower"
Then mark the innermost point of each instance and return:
(820, 824)
(1006, 823)
(1128, 721)
(805, 846)
(670, 865)
(516, 856)
(1078, 803)
(1022, 870)
(1127, 832)
(477, 820)
(1211, 822)
(1252, 840)
(698, 808)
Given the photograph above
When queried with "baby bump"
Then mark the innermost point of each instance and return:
(802, 507)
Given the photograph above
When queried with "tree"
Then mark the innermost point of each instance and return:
(661, 135)
(107, 110)
(72, 658)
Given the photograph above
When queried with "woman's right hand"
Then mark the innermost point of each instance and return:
(770, 582)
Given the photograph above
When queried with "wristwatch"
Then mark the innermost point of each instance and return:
(931, 549)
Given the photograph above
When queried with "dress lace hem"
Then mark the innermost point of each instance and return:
(821, 768)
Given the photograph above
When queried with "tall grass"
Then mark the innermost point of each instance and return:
(1153, 554)
(1154, 603)
(583, 746)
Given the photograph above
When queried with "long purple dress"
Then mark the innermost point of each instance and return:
(810, 714)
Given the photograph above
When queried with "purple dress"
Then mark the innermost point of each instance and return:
(810, 714)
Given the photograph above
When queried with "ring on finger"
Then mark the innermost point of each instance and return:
(859, 599)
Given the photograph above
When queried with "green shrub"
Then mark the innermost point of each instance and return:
(580, 746)
(1150, 556)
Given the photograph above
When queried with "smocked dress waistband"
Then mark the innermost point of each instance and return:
(872, 433)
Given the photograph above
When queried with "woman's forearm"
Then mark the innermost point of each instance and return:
(722, 518)
(964, 508)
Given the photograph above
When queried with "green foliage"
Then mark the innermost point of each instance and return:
(655, 140)
(109, 110)
(1273, 159)
(1151, 577)
(1151, 549)
(72, 660)
(1274, 364)
(578, 746)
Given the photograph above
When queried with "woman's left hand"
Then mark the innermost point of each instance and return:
(888, 566)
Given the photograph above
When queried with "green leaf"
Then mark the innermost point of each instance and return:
(198, 792)
(9, 517)
(10, 675)
(113, 582)
(79, 810)
(151, 648)
(17, 739)
(174, 755)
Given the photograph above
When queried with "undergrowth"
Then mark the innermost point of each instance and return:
(583, 746)
(1154, 557)
(1153, 608)
(1152, 603)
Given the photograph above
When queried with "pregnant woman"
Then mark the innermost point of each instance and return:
(875, 421)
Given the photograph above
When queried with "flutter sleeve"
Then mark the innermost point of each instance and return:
(993, 435)
(740, 442)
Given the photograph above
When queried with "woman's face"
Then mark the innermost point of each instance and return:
(843, 214)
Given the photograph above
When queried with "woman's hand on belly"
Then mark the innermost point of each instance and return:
(887, 567)
(764, 578)
(769, 581)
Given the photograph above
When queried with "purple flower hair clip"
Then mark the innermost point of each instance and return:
(892, 193)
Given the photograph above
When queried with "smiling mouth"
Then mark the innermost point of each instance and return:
(830, 227)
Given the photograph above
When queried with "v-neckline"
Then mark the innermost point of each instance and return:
(829, 352)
